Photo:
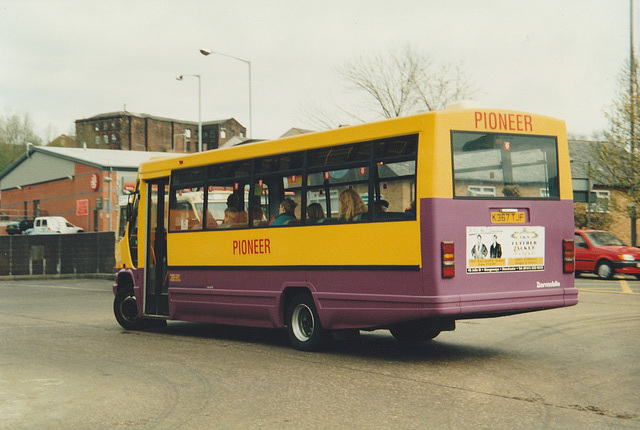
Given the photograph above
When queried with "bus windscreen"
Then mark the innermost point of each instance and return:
(504, 166)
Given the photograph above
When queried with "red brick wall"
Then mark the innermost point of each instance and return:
(151, 134)
(58, 198)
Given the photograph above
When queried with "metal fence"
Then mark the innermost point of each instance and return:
(57, 254)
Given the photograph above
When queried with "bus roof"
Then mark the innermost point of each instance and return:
(481, 120)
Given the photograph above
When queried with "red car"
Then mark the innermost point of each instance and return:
(604, 254)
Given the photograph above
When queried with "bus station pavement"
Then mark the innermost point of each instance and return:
(65, 363)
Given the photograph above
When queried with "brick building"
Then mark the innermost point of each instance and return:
(141, 132)
(82, 185)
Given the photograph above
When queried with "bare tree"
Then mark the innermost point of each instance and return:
(618, 158)
(393, 85)
(15, 132)
(437, 88)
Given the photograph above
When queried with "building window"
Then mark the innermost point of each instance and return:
(97, 140)
(105, 138)
(104, 125)
(600, 200)
(481, 191)
(96, 126)
(188, 147)
(113, 124)
(223, 133)
(114, 139)
(187, 132)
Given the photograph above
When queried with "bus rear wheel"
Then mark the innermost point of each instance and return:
(303, 324)
(125, 309)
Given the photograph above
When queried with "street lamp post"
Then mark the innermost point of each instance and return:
(199, 109)
(108, 204)
(206, 52)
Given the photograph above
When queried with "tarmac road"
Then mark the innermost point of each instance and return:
(65, 363)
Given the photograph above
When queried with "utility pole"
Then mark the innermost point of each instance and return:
(632, 99)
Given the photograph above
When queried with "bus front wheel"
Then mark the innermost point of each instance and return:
(125, 308)
(303, 324)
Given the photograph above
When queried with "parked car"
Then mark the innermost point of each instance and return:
(604, 254)
(14, 228)
(53, 225)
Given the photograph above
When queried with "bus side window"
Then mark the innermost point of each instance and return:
(259, 209)
(395, 179)
(228, 193)
(186, 208)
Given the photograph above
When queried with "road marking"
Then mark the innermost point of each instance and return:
(625, 287)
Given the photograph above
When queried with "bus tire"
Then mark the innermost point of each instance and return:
(413, 332)
(604, 270)
(125, 309)
(303, 324)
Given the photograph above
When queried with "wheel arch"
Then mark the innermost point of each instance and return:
(603, 260)
(288, 293)
(124, 280)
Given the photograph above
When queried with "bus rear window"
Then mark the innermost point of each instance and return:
(504, 166)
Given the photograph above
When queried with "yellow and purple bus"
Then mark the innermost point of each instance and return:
(460, 214)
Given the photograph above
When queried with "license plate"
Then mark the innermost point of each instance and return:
(507, 218)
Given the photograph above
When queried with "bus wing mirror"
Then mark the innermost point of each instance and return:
(131, 204)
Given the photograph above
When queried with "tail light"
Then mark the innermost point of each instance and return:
(448, 260)
(568, 256)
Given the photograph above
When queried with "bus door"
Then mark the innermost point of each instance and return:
(156, 285)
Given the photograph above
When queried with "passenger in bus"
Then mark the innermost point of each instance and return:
(380, 206)
(287, 212)
(410, 212)
(315, 212)
(230, 217)
(211, 221)
(258, 216)
(233, 201)
(511, 191)
(351, 205)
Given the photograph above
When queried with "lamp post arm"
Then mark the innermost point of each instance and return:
(206, 52)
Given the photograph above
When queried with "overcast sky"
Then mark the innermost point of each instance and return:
(65, 60)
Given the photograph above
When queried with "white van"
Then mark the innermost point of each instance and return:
(53, 225)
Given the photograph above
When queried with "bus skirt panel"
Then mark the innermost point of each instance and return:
(215, 296)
